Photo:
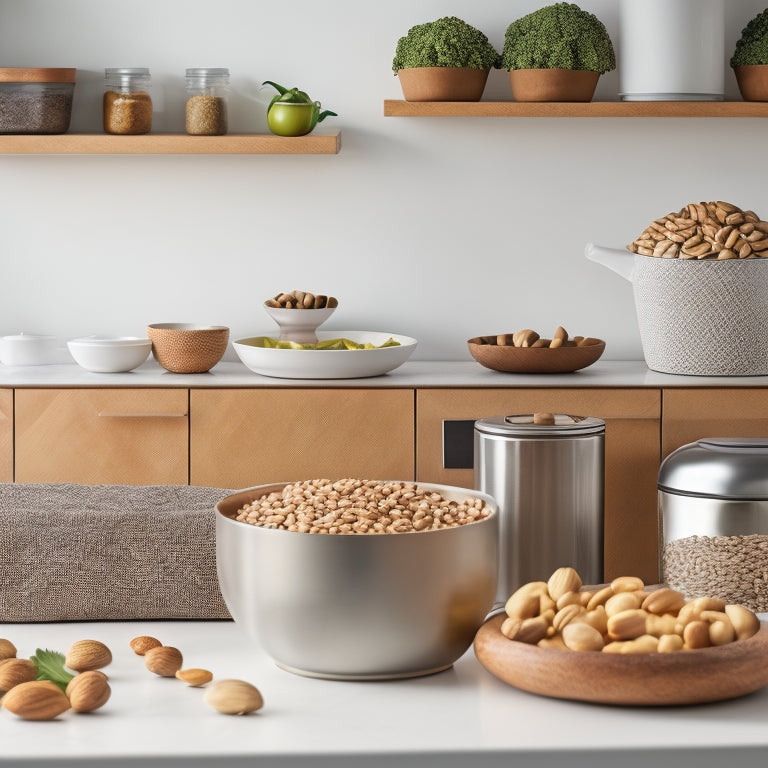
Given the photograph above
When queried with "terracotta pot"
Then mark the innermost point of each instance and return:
(753, 81)
(443, 83)
(553, 84)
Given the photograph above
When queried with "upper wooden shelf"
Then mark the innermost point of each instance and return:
(169, 144)
(396, 108)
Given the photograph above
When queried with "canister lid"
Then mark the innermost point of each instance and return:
(540, 424)
(718, 467)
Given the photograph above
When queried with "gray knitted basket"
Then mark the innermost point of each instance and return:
(706, 318)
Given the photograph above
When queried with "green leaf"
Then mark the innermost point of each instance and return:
(50, 666)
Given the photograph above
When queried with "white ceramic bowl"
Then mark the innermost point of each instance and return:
(327, 363)
(103, 354)
(28, 349)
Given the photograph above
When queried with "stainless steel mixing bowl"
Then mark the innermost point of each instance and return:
(358, 606)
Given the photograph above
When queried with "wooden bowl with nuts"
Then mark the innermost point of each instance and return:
(525, 351)
(624, 643)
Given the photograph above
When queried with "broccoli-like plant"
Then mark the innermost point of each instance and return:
(752, 46)
(559, 36)
(447, 42)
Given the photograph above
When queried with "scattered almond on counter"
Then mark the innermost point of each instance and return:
(164, 660)
(622, 617)
(36, 700)
(85, 655)
(88, 691)
(141, 644)
(194, 676)
(234, 697)
(7, 649)
(14, 671)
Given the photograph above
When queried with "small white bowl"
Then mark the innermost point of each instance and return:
(28, 349)
(299, 325)
(102, 354)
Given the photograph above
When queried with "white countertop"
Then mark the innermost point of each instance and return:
(461, 718)
(412, 374)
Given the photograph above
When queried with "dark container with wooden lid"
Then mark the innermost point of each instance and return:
(34, 100)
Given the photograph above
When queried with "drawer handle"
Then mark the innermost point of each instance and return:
(108, 415)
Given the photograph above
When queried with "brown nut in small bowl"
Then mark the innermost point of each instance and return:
(508, 358)
(187, 347)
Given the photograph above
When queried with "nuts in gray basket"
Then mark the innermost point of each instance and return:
(714, 230)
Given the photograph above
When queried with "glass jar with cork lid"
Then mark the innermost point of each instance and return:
(127, 103)
(206, 106)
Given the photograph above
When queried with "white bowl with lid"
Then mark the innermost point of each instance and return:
(110, 354)
(28, 349)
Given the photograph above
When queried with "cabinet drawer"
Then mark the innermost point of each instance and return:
(6, 435)
(631, 456)
(691, 414)
(112, 436)
(241, 438)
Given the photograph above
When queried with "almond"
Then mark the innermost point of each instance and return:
(745, 622)
(582, 637)
(85, 655)
(164, 660)
(663, 600)
(14, 671)
(7, 649)
(141, 644)
(88, 691)
(194, 676)
(36, 700)
(627, 625)
(234, 697)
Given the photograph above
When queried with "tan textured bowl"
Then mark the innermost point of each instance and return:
(534, 359)
(187, 347)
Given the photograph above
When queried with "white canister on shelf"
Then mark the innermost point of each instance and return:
(671, 50)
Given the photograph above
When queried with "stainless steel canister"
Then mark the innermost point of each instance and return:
(713, 516)
(546, 472)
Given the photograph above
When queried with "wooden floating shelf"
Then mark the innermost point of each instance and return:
(169, 144)
(396, 108)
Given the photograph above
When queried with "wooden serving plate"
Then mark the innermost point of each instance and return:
(510, 359)
(643, 679)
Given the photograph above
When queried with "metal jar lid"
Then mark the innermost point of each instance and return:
(718, 467)
(540, 425)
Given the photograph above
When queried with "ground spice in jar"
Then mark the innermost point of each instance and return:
(733, 568)
(206, 115)
(127, 113)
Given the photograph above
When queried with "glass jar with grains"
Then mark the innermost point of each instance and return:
(206, 109)
(127, 103)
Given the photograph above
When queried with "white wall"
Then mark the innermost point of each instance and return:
(437, 228)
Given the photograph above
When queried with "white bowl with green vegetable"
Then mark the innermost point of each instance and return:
(337, 355)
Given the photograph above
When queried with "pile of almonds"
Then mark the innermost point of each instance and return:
(530, 338)
(714, 230)
(301, 300)
(622, 617)
(228, 696)
(33, 699)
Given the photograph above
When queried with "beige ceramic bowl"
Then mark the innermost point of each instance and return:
(187, 347)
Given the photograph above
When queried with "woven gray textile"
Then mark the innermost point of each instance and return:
(73, 552)
(705, 318)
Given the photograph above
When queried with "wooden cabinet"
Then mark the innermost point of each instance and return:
(691, 414)
(110, 436)
(6, 435)
(241, 438)
(632, 458)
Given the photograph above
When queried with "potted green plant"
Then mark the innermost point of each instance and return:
(557, 53)
(444, 60)
(750, 59)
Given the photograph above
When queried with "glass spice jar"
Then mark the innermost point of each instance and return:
(206, 107)
(127, 103)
